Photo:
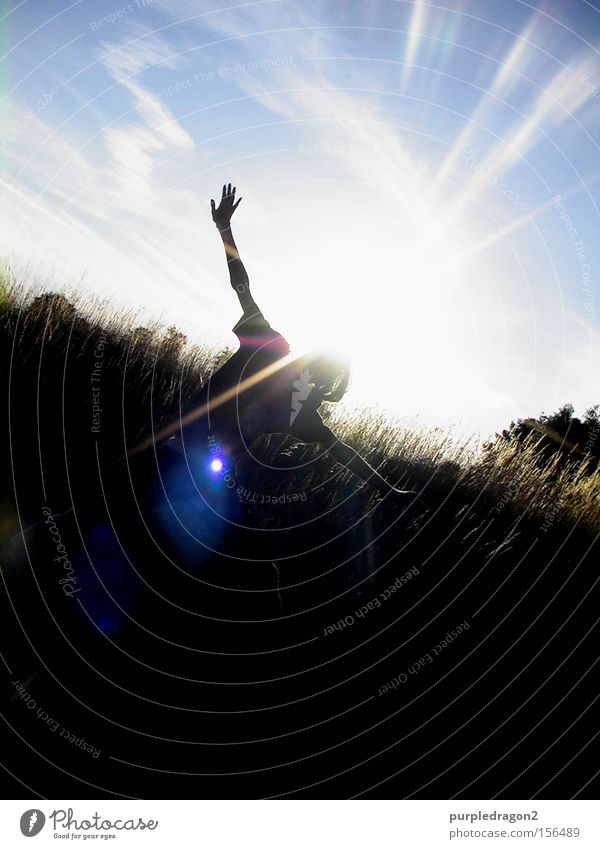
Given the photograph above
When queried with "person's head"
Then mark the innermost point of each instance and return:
(329, 372)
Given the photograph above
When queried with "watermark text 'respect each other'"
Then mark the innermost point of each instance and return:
(428, 658)
(374, 604)
(53, 724)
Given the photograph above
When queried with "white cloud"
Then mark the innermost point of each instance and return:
(135, 147)
(159, 119)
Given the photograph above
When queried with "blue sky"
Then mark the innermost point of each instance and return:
(420, 180)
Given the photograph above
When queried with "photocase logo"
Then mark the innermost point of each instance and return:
(302, 389)
(32, 822)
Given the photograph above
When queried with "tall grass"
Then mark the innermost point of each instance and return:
(47, 344)
(501, 547)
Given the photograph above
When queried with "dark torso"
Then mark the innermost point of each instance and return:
(250, 395)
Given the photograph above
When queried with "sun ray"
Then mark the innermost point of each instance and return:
(417, 25)
(555, 103)
(516, 224)
(510, 70)
(214, 403)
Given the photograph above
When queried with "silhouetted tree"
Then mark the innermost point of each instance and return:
(52, 304)
(563, 432)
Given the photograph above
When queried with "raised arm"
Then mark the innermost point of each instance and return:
(238, 275)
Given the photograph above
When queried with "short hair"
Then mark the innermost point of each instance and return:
(330, 373)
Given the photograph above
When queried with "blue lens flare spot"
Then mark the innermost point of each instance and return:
(216, 465)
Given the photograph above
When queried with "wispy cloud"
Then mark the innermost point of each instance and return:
(351, 128)
(553, 105)
(135, 146)
(102, 206)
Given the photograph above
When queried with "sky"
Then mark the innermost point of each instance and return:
(420, 183)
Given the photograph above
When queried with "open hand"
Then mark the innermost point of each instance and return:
(221, 215)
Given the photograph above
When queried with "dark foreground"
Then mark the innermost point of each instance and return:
(162, 641)
(330, 654)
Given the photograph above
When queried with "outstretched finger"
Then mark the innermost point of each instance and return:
(224, 191)
(212, 204)
(235, 205)
(229, 188)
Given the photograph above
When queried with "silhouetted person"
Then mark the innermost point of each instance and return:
(262, 390)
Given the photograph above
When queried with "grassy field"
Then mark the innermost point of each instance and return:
(134, 643)
(148, 374)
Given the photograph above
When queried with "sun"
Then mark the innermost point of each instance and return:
(379, 291)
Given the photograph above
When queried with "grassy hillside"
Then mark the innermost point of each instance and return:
(133, 633)
(148, 374)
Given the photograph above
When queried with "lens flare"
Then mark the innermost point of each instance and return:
(216, 465)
